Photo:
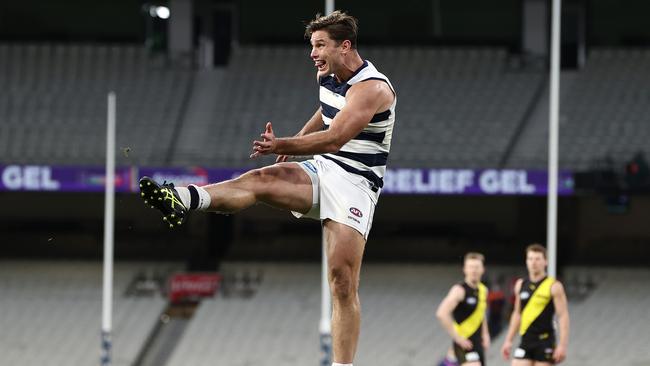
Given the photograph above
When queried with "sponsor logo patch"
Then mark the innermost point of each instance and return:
(471, 300)
(524, 295)
(356, 212)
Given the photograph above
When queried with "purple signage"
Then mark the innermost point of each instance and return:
(62, 178)
(473, 182)
(396, 181)
(193, 175)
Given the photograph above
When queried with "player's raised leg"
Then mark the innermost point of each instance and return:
(283, 185)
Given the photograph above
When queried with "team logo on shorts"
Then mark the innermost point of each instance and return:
(356, 212)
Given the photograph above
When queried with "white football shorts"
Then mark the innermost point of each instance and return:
(339, 196)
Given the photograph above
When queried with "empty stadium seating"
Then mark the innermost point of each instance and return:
(605, 110)
(607, 325)
(457, 107)
(50, 313)
(53, 104)
(280, 323)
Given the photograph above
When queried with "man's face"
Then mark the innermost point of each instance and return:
(325, 52)
(473, 270)
(535, 262)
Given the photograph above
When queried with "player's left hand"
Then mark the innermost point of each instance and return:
(559, 354)
(267, 145)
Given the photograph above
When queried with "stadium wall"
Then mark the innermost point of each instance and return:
(406, 228)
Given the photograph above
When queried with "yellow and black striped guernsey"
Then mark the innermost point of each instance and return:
(537, 309)
(469, 314)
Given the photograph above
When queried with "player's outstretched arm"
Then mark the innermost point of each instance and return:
(515, 319)
(445, 309)
(363, 101)
(562, 312)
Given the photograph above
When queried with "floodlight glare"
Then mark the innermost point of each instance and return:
(162, 12)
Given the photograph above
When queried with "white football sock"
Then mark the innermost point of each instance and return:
(202, 200)
(198, 201)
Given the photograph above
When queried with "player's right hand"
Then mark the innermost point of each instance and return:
(267, 145)
(465, 344)
(505, 350)
(559, 354)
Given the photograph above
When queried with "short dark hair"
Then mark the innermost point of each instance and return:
(474, 255)
(538, 248)
(339, 25)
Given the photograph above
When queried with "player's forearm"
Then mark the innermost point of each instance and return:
(564, 329)
(447, 322)
(320, 142)
(485, 330)
(512, 327)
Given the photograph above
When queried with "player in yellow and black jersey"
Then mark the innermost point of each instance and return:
(537, 299)
(462, 314)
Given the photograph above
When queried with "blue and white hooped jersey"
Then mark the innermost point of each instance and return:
(367, 153)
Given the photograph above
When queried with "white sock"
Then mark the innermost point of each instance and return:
(204, 198)
(341, 364)
(201, 199)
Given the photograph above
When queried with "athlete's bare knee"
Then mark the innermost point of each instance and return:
(262, 175)
(343, 286)
(259, 180)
